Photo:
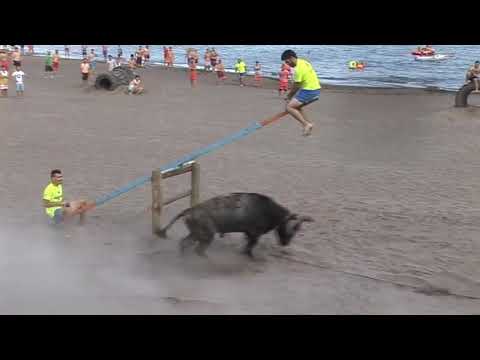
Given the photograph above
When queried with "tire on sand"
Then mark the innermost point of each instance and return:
(123, 75)
(461, 99)
(107, 82)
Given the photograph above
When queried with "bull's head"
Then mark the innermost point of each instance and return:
(289, 227)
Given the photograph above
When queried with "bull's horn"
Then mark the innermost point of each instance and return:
(306, 219)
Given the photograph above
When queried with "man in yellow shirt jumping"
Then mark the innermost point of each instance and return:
(55, 208)
(306, 88)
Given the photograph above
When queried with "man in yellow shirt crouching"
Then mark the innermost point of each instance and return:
(55, 207)
(306, 88)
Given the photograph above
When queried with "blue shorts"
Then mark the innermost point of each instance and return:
(93, 65)
(58, 216)
(305, 96)
(20, 87)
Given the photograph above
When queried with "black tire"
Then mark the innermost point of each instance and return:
(461, 99)
(106, 81)
(123, 75)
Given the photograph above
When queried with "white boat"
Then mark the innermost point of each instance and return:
(431, 57)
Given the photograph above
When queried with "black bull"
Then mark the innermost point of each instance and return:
(248, 213)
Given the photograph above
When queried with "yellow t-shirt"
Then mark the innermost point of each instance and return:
(305, 75)
(53, 193)
(240, 67)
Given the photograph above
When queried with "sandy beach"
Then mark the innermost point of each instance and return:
(390, 176)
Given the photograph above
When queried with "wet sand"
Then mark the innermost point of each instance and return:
(390, 177)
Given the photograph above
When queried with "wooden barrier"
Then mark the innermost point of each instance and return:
(157, 190)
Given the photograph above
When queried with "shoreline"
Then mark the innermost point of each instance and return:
(400, 90)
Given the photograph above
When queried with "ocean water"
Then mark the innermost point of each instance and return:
(387, 65)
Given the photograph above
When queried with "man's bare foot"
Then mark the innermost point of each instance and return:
(307, 130)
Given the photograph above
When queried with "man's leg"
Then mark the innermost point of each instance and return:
(298, 114)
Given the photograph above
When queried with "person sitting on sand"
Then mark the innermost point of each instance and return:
(56, 209)
(220, 69)
(85, 70)
(305, 89)
(241, 70)
(134, 86)
(473, 74)
(4, 81)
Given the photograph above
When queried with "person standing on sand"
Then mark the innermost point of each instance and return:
(85, 70)
(258, 74)
(105, 52)
(55, 208)
(84, 50)
(213, 58)
(18, 75)
(119, 51)
(4, 63)
(110, 63)
(30, 49)
(220, 69)
(56, 61)
(146, 53)
(22, 49)
(192, 66)
(4, 81)
(131, 62)
(16, 57)
(170, 57)
(48, 65)
(92, 60)
(207, 60)
(138, 56)
(118, 61)
(241, 69)
(283, 77)
(306, 88)
(66, 51)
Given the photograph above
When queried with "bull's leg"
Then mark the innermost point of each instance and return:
(186, 242)
(203, 243)
(251, 242)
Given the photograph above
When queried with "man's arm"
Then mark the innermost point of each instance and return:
(49, 204)
(296, 86)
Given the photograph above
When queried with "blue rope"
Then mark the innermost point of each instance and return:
(174, 164)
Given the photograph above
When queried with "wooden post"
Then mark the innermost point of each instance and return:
(157, 201)
(195, 197)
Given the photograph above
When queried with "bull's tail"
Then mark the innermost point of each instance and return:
(163, 232)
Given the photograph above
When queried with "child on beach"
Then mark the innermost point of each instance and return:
(134, 86)
(85, 70)
(4, 63)
(48, 64)
(220, 69)
(192, 66)
(241, 70)
(56, 61)
(18, 75)
(131, 62)
(283, 77)
(92, 60)
(4, 81)
(258, 74)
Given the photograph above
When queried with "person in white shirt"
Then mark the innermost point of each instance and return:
(111, 63)
(18, 75)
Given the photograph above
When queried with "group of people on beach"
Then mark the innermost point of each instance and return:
(18, 74)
